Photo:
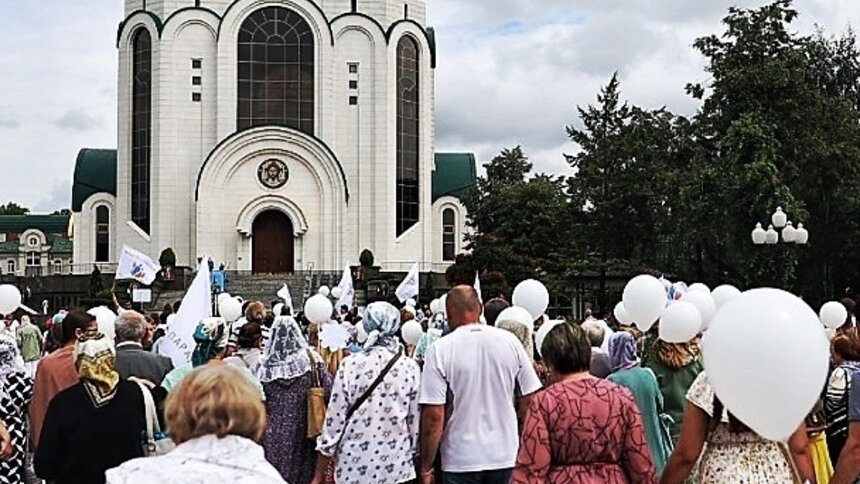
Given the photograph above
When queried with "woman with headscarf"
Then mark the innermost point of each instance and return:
(676, 366)
(94, 425)
(643, 384)
(287, 371)
(16, 390)
(211, 337)
(371, 427)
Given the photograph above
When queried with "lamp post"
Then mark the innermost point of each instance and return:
(791, 235)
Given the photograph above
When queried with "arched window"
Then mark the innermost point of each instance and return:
(276, 71)
(102, 234)
(141, 113)
(449, 234)
(407, 134)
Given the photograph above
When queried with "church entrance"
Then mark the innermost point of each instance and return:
(273, 249)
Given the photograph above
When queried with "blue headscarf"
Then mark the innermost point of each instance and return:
(622, 351)
(381, 322)
(211, 337)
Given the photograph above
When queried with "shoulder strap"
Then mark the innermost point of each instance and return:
(364, 396)
(315, 376)
(152, 426)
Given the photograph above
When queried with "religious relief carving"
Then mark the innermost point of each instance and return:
(273, 174)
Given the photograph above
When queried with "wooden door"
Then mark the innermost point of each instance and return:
(273, 243)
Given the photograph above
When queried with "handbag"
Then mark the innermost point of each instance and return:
(155, 442)
(316, 402)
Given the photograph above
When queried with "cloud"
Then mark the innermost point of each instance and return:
(9, 123)
(78, 120)
(59, 197)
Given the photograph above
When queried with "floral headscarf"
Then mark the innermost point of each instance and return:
(9, 357)
(381, 322)
(622, 351)
(95, 358)
(211, 336)
(286, 353)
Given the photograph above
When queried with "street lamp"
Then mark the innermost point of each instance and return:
(779, 221)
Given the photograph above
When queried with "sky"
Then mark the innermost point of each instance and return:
(509, 72)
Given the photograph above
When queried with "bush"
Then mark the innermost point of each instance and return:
(167, 258)
(366, 258)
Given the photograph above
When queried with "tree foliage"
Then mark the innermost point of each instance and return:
(13, 208)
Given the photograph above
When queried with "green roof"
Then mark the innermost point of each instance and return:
(454, 175)
(8, 247)
(95, 172)
(61, 245)
(47, 224)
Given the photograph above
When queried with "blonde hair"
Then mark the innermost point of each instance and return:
(214, 399)
(255, 312)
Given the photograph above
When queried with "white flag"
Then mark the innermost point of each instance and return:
(478, 286)
(284, 293)
(136, 265)
(409, 287)
(196, 306)
(347, 291)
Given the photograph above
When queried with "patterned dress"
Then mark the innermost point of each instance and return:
(285, 442)
(586, 431)
(15, 395)
(736, 457)
(380, 442)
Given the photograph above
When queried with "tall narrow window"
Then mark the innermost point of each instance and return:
(407, 134)
(276, 71)
(141, 113)
(449, 235)
(34, 259)
(102, 234)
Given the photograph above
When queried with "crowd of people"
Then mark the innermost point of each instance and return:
(479, 399)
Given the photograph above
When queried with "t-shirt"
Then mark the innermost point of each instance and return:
(481, 366)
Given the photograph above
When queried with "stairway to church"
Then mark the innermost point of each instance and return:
(264, 287)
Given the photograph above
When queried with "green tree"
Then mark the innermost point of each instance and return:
(13, 208)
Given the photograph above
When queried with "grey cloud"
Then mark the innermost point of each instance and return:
(59, 197)
(78, 120)
(9, 123)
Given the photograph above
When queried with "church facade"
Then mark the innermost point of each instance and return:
(274, 136)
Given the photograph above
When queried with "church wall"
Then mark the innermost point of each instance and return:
(188, 130)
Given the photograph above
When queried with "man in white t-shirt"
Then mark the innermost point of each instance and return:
(476, 370)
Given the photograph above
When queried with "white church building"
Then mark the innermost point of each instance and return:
(274, 136)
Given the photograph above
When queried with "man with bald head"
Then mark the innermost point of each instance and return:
(477, 370)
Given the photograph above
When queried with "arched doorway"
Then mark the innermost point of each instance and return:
(273, 243)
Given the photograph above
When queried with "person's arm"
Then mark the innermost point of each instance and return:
(694, 431)
(535, 454)
(434, 395)
(798, 446)
(848, 465)
(6, 449)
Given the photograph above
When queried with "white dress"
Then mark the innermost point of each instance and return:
(207, 459)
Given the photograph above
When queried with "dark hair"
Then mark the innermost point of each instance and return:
(566, 350)
(850, 305)
(75, 320)
(249, 334)
(493, 308)
(735, 425)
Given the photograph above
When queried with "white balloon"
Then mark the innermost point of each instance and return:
(324, 291)
(532, 296)
(621, 314)
(277, 309)
(704, 302)
(435, 306)
(318, 309)
(517, 314)
(644, 299)
(544, 330)
(222, 296)
(680, 322)
(699, 287)
(410, 303)
(230, 308)
(105, 318)
(411, 331)
(833, 314)
(443, 304)
(725, 293)
(10, 299)
(780, 336)
(336, 292)
(362, 333)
